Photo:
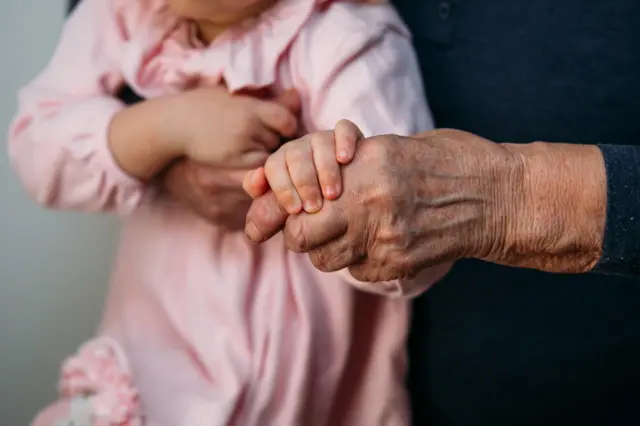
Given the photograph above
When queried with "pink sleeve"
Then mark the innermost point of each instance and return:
(58, 139)
(369, 75)
(356, 62)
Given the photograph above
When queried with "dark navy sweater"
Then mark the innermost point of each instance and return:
(493, 345)
(500, 346)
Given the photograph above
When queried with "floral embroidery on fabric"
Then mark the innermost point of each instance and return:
(98, 381)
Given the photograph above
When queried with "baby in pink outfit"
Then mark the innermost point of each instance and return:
(202, 328)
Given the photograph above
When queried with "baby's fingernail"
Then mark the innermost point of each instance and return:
(343, 154)
(331, 191)
(312, 206)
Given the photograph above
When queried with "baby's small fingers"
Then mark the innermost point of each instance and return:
(255, 183)
(347, 135)
(326, 165)
(280, 182)
(300, 163)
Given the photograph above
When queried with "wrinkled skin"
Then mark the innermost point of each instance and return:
(413, 202)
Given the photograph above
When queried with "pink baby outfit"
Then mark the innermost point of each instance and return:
(201, 328)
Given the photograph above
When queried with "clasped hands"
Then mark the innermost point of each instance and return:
(394, 205)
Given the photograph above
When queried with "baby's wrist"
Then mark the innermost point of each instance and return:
(140, 141)
(169, 126)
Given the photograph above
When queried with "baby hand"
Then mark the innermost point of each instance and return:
(218, 129)
(305, 170)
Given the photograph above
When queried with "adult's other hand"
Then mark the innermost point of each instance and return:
(214, 194)
(414, 202)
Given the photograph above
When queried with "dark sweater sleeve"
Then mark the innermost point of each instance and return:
(621, 251)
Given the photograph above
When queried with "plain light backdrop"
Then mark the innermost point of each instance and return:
(53, 266)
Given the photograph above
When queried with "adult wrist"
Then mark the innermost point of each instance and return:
(557, 221)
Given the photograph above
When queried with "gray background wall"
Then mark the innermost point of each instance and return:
(53, 266)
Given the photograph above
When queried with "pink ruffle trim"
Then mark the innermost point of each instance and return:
(100, 373)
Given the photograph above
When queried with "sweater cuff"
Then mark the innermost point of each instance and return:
(621, 248)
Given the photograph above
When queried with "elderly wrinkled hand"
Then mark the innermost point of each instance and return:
(408, 203)
(412, 202)
(215, 195)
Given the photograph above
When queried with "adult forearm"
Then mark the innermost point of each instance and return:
(581, 210)
(447, 194)
(558, 221)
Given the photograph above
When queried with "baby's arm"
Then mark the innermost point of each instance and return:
(68, 117)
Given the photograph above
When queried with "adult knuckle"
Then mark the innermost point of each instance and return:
(375, 147)
(376, 154)
(366, 272)
(261, 214)
(346, 257)
(326, 259)
(296, 236)
(332, 259)
(376, 256)
(400, 265)
(358, 273)
(320, 260)
(404, 263)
